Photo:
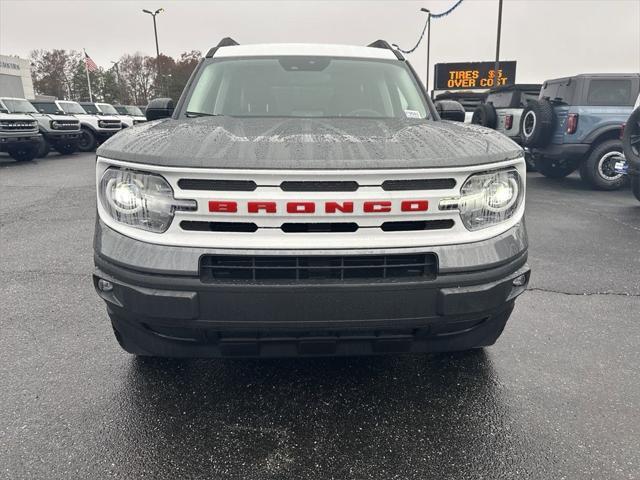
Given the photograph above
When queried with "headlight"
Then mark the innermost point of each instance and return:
(54, 124)
(487, 198)
(141, 200)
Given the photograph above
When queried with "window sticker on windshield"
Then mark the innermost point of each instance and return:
(412, 114)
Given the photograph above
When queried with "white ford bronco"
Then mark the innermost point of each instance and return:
(94, 128)
(307, 200)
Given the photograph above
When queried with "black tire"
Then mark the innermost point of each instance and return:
(43, 149)
(25, 152)
(631, 141)
(88, 141)
(597, 169)
(555, 168)
(67, 148)
(635, 186)
(529, 161)
(536, 123)
(485, 115)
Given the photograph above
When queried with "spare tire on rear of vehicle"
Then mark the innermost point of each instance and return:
(485, 115)
(536, 124)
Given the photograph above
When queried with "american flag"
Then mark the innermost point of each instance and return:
(91, 65)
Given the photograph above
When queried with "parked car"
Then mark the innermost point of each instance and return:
(502, 110)
(94, 128)
(19, 136)
(100, 108)
(631, 146)
(576, 124)
(307, 200)
(131, 111)
(58, 131)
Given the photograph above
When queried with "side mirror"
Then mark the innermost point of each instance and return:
(59, 112)
(450, 110)
(159, 108)
(3, 110)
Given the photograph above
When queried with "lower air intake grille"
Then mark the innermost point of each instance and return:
(214, 268)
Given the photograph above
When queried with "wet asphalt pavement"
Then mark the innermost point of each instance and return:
(557, 397)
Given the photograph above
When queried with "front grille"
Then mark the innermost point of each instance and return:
(307, 186)
(18, 126)
(215, 268)
(110, 124)
(217, 185)
(425, 184)
(68, 125)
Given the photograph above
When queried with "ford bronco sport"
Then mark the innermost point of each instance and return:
(307, 200)
(576, 124)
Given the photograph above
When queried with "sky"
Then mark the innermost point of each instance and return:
(548, 38)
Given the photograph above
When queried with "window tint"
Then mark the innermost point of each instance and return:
(610, 93)
(526, 97)
(307, 87)
(46, 107)
(560, 90)
(501, 99)
(90, 108)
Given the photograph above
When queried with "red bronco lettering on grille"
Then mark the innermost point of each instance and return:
(304, 207)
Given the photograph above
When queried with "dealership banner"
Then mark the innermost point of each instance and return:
(470, 75)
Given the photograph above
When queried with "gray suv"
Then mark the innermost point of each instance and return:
(576, 124)
(307, 200)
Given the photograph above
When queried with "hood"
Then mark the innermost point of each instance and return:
(15, 116)
(304, 143)
(54, 116)
(97, 117)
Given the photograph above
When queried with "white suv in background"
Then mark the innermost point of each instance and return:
(131, 111)
(95, 128)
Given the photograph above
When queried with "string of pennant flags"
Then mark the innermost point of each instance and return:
(426, 23)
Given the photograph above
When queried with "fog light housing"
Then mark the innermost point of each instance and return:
(105, 285)
(520, 281)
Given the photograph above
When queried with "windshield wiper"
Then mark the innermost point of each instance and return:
(202, 114)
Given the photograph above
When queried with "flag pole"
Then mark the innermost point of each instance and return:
(86, 69)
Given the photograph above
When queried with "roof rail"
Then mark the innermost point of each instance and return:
(225, 42)
(384, 44)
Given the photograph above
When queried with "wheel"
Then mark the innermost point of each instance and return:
(555, 168)
(43, 149)
(87, 141)
(635, 186)
(536, 123)
(485, 115)
(67, 148)
(631, 140)
(24, 153)
(598, 168)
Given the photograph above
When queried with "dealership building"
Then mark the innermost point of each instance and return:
(15, 77)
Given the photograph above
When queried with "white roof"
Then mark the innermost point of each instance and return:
(320, 50)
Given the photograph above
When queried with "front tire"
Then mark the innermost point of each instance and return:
(24, 153)
(43, 149)
(87, 141)
(67, 148)
(598, 169)
(555, 168)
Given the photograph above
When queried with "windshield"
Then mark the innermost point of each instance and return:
(135, 111)
(107, 109)
(18, 105)
(91, 108)
(299, 86)
(71, 107)
(46, 107)
(121, 109)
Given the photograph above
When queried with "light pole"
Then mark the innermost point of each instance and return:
(496, 68)
(155, 31)
(428, 46)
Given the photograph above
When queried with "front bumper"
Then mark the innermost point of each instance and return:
(8, 140)
(175, 314)
(104, 134)
(61, 136)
